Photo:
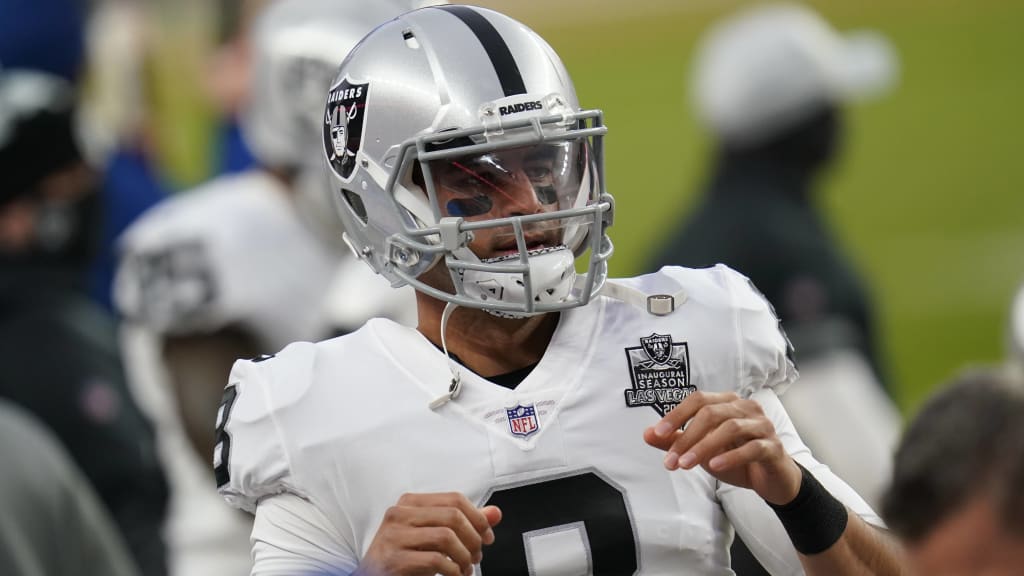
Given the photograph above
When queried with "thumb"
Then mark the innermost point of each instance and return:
(493, 516)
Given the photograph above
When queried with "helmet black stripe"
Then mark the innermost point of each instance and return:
(497, 50)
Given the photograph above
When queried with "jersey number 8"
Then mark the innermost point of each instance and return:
(571, 525)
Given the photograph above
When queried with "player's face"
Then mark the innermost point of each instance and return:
(969, 543)
(515, 182)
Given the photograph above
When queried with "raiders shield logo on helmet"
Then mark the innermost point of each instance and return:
(343, 125)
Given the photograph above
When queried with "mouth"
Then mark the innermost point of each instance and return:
(504, 253)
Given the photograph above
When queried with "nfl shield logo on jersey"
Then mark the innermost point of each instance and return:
(522, 420)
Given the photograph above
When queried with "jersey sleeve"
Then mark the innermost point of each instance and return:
(250, 459)
(765, 353)
(292, 536)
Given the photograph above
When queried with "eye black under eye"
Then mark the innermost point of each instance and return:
(468, 207)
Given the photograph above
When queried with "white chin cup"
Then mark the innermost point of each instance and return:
(552, 275)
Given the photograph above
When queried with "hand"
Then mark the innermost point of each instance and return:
(430, 534)
(732, 439)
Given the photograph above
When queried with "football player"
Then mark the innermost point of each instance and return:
(239, 266)
(533, 422)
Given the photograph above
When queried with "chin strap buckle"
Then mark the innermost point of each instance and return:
(654, 304)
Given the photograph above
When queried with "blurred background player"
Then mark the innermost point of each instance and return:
(1015, 337)
(239, 266)
(769, 83)
(47, 501)
(57, 346)
(957, 495)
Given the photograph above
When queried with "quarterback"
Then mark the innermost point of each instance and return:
(541, 418)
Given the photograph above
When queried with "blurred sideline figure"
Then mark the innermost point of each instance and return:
(58, 37)
(239, 266)
(47, 502)
(957, 496)
(1015, 337)
(118, 115)
(769, 83)
(57, 346)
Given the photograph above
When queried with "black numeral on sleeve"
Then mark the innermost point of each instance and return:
(222, 448)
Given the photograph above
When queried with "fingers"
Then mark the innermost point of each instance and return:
(753, 451)
(664, 433)
(477, 518)
(493, 515)
(444, 540)
(415, 563)
(441, 533)
(715, 423)
(687, 409)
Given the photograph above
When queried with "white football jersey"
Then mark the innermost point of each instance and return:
(233, 251)
(346, 425)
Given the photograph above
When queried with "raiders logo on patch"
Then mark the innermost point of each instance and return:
(522, 420)
(343, 125)
(660, 372)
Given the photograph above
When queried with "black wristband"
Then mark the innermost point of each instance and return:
(815, 519)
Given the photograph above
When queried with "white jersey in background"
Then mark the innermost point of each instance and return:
(321, 439)
(232, 252)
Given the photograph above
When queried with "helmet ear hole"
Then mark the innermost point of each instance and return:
(417, 176)
(355, 203)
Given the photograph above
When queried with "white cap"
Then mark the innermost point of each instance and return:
(764, 69)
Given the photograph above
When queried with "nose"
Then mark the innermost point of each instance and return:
(520, 198)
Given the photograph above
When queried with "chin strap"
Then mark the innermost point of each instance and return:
(655, 304)
(456, 386)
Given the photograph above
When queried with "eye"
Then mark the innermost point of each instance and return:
(538, 172)
(546, 194)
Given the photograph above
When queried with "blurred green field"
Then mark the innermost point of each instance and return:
(927, 198)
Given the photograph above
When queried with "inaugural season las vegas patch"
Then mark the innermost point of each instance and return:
(660, 372)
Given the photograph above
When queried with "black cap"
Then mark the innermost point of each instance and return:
(37, 135)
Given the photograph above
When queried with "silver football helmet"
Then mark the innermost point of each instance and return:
(453, 136)
(297, 46)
